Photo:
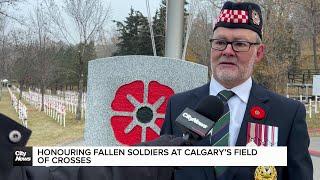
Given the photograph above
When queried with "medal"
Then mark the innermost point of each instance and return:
(251, 144)
(265, 173)
(262, 135)
(251, 135)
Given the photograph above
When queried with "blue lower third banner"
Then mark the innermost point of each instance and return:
(150, 156)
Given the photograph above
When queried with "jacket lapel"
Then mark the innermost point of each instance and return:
(202, 91)
(258, 97)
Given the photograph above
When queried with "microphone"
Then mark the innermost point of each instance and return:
(196, 124)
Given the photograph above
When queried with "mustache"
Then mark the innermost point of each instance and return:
(225, 59)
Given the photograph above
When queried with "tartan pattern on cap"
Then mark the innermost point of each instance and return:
(233, 16)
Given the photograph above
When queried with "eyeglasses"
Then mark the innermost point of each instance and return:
(237, 46)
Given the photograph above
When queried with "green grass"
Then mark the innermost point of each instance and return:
(314, 122)
(45, 130)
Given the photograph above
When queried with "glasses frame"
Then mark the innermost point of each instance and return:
(231, 42)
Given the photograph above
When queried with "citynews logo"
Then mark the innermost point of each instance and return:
(194, 120)
(22, 156)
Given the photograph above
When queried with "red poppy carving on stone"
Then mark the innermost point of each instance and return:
(257, 112)
(139, 111)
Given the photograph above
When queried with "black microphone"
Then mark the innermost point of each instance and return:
(196, 124)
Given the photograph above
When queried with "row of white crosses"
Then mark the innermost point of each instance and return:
(312, 107)
(20, 108)
(71, 98)
(54, 106)
(16, 89)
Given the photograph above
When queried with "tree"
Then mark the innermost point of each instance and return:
(134, 35)
(45, 52)
(159, 28)
(3, 6)
(283, 49)
(106, 44)
(5, 49)
(67, 62)
(89, 18)
(198, 44)
(89, 54)
(305, 16)
(24, 56)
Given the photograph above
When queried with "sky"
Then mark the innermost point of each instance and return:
(119, 10)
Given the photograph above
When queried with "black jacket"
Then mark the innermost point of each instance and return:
(287, 114)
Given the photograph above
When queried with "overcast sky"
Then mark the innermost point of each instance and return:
(119, 10)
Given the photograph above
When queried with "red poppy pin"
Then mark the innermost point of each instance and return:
(257, 112)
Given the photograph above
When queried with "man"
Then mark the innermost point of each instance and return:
(254, 115)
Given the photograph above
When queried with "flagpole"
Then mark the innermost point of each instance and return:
(174, 28)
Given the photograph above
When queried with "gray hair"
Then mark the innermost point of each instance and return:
(259, 40)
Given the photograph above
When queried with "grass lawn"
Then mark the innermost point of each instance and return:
(45, 130)
(314, 124)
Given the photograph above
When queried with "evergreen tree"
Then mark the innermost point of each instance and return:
(134, 35)
(89, 54)
(67, 61)
(159, 28)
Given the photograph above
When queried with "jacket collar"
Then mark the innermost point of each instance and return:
(202, 91)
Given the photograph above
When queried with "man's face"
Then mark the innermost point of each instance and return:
(231, 68)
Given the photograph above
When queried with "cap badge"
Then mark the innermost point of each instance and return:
(255, 18)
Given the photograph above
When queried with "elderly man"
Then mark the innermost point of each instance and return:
(253, 115)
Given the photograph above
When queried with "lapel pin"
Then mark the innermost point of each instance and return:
(257, 112)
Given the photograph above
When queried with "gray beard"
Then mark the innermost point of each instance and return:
(231, 79)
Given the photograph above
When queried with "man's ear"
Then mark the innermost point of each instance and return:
(260, 52)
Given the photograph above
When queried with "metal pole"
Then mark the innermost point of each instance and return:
(1, 91)
(174, 29)
(151, 29)
(316, 105)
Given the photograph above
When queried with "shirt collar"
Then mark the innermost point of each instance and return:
(242, 90)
